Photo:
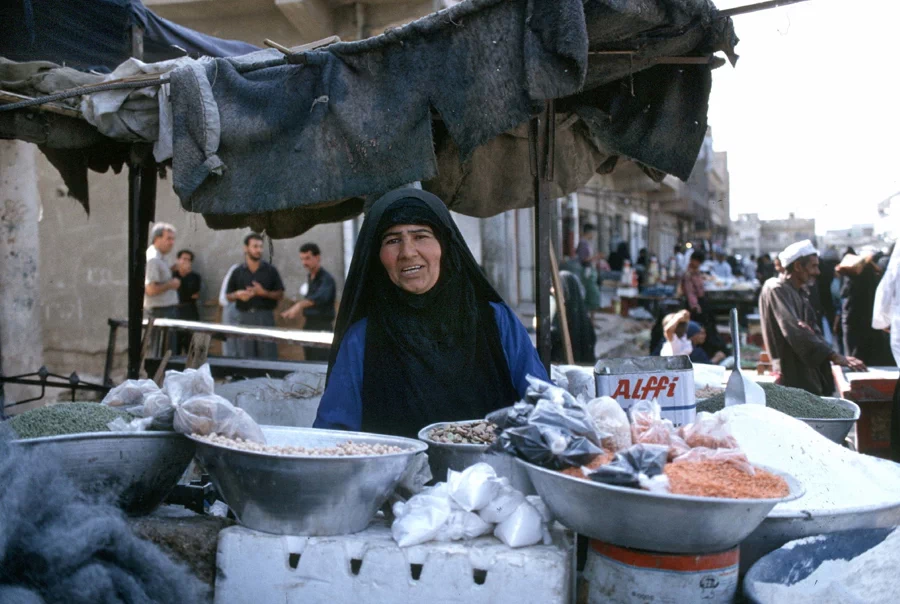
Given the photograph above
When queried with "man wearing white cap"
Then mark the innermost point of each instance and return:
(790, 326)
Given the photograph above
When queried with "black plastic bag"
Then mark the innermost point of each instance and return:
(628, 466)
(547, 446)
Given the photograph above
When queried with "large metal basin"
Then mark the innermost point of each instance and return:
(657, 522)
(314, 495)
(835, 430)
(138, 469)
(444, 456)
(780, 527)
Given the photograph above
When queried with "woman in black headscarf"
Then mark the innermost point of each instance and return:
(421, 336)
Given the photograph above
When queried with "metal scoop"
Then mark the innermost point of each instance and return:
(740, 390)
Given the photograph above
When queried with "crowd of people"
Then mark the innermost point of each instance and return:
(249, 294)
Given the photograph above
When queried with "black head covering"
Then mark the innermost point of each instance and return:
(429, 357)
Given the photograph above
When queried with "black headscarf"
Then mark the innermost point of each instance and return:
(429, 357)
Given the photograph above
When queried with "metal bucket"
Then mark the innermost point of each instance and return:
(446, 456)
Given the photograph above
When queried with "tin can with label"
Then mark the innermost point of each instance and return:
(619, 575)
(669, 380)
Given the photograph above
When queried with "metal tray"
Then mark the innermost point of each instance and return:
(835, 430)
(656, 522)
(137, 468)
(445, 456)
(314, 495)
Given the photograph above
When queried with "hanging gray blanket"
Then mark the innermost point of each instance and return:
(356, 119)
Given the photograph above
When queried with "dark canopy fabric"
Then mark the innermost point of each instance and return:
(444, 100)
(95, 34)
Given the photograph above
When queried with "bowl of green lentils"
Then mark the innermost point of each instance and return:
(833, 418)
(136, 470)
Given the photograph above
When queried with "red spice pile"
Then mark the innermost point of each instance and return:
(595, 463)
(722, 479)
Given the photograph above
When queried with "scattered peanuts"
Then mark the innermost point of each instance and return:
(338, 450)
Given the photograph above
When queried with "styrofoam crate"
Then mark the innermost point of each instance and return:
(369, 568)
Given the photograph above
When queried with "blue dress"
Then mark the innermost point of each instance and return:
(341, 405)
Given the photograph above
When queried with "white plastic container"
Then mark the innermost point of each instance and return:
(669, 380)
(618, 575)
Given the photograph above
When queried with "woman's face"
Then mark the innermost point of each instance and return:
(411, 255)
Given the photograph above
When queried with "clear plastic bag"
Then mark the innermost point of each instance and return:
(503, 504)
(522, 528)
(539, 390)
(511, 417)
(184, 385)
(734, 457)
(473, 488)
(462, 525)
(129, 395)
(420, 519)
(610, 418)
(649, 428)
(710, 431)
(211, 414)
(631, 465)
(159, 408)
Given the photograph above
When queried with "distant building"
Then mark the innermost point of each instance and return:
(856, 236)
(744, 238)
(775, 235)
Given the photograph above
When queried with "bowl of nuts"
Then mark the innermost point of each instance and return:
(306, 481)
(458, 445)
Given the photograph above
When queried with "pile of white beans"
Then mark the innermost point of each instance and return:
(338, 450)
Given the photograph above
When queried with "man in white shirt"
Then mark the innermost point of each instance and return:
(160, 287)
(721, 268)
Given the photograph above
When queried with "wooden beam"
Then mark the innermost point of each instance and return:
(752, 8)
(12, 97)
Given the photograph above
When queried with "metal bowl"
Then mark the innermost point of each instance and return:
(445, 456)
(137, 468)
(780, 527)
(789, 566)
(656, 522)
(835, 430)
(310, 495)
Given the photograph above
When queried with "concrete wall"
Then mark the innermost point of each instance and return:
(84, 270)
(20, 319)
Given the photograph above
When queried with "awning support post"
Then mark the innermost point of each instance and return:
(542, 139)
(141, 209)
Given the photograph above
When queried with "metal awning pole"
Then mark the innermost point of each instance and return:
(141, 209)
(542, 136)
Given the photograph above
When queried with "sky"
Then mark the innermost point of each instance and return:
(810, 116)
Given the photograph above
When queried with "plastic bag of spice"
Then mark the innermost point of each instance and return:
(734, 457)
(649, 428)
(183, 385)
(609, 417)
(633, 466)
(129, 395)
(211, 414)
(539, 390)
(709, 431)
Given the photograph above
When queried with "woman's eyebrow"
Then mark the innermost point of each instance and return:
(398, 233)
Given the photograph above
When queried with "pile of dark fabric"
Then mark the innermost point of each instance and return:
(59, 546)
